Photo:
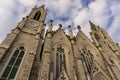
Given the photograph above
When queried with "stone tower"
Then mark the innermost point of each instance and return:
(21, 48)
(26, 54)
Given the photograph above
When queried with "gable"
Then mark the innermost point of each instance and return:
(60, 38)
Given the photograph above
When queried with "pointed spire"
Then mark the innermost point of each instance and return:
(70, 31)
(35, 6)
(93, 26)
(43, 6)
(50, 25)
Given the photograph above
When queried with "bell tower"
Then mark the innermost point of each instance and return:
(34, 23)
(21, 48)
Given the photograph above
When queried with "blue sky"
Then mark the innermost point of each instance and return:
(105, 13)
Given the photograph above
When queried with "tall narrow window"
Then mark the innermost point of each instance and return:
(64, 60)
(37, 15)
(87, 57)
(57, 65)
(13, 64)
(60, 60)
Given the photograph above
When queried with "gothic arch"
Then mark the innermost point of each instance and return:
(63, 46)
(37, 15)
(61, 53)
(14, 63)
(21, 45)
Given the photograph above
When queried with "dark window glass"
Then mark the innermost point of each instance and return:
(11, 61)
(2, 78)
(21, 54)
(18, 62)
(64, 61)
(57, 65)
(16, 53)
(13, 72)
(13, 64)
(6, 72)
(61, 61)
(37, 15)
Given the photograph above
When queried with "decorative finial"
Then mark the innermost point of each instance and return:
(78, 26)
(60, 25)
(69, 26)
(117, 44)
(50, 26)
(35, 6)
(51, 20)
(70, 31)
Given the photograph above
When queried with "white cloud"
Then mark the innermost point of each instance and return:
(114, 29)
(12, 11)
(98, 11)
(27, 3)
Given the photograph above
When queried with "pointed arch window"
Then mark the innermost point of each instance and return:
(13, 65)
(87, 57)
(60, 60)
(37, 15)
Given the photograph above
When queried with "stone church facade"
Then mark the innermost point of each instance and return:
(25, 54)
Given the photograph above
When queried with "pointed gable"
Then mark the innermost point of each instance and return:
(81, 37)
(61, 37)
(38, 12)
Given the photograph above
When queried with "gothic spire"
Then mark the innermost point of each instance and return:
(50, 25)
(70, 31)
(93, 26)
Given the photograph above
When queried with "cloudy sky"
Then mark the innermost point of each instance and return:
(105, 13)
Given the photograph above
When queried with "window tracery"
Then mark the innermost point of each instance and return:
(13, 65)
(60, 60)
(87, 57)
(90, 63)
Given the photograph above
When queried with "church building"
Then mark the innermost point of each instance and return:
(30, 53)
